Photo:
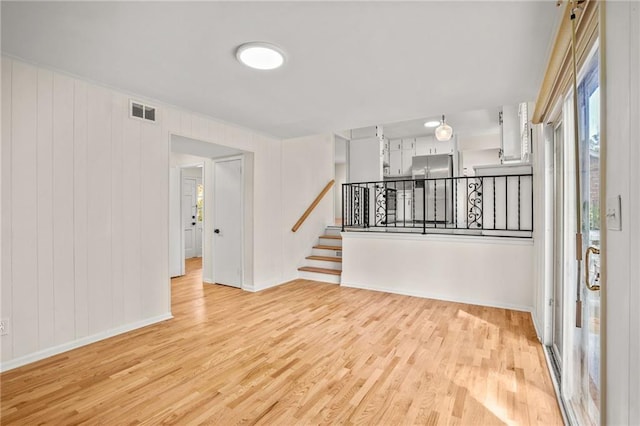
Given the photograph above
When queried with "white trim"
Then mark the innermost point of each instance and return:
(448, 238)
(556, 388)
(264, 286)
(428, 295)
(535, 325)
(46, 353)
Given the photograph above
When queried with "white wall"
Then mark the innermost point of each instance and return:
(341, 177)
(478, 142)
(307, 167)
(365, 163)
(479, 157)
(478, 270)
(83, 200)
(622, 250)
(85, 208)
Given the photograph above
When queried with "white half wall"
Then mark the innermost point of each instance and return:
(487, 271)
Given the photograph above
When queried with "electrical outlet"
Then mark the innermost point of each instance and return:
(4, 326)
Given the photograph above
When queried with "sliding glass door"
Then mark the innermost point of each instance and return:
(576, 340)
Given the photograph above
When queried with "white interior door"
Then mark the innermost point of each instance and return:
(189, 211)
(176, 258)
(228, 222)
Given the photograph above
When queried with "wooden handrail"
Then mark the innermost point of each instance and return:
(313, 205)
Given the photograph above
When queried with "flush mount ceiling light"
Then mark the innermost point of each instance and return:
(260, 55)
(443, 132)
(430, 124)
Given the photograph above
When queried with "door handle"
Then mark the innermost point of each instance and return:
(216, 231)
(587, 282)
(193, 223)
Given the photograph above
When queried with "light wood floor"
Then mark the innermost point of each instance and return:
(300, 353)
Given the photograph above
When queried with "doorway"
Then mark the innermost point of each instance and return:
(192, 210)
(199, 200)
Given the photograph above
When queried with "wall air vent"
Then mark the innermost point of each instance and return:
(142, 111)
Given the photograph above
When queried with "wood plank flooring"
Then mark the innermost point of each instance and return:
(300, 353)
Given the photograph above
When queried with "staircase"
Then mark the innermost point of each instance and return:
(325, 262)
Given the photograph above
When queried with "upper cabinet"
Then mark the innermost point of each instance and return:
(429, 145)
(401, 152)
(515, 132)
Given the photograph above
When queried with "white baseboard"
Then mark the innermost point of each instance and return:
(427, 295)
(265, 285)
(55, 350)
(535, 325)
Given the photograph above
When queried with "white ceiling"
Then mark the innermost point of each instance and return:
(350, 64)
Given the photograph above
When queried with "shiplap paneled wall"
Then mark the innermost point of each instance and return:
(79, 199)
(85, 210)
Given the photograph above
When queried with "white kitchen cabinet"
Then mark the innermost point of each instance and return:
(445, 147)
(423, 144)
(404, 212)
(429, 145)
(407, 159)
(408, 144)
(511, 146)
(401, 152)
(395, 144)
(395, 163)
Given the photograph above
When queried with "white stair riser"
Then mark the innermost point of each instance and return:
(323, 252)
(327, 278)
(323, 264)
(329, 242)
(332, 230)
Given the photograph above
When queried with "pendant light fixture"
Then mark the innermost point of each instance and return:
(443, 132)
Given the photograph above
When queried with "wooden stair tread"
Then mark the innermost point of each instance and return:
(323, 247)
(320, 270)
(326, 258)
(331, 237)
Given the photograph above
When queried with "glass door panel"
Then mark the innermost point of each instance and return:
(584, 393)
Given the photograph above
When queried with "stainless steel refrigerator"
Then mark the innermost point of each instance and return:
(438, 188)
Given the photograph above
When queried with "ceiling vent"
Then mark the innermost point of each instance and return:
(142, 111)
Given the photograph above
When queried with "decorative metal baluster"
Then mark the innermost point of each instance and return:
(518, 202)
(424, 206)
(474, 202)
(506, 203)
(455, 206)
(445, 203)
(494, 202)
(435, 204)
(380, 204)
